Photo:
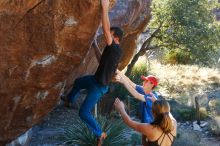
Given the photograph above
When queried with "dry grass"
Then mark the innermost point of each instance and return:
(214, 126)
(185, 80)
(187, 138)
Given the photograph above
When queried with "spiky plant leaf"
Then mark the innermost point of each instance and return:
(79, 135)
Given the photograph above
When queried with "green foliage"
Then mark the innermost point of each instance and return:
(187, 25)
(79, 134)
(119, 91)
(137, 71)
(187, 114)
(177, 57)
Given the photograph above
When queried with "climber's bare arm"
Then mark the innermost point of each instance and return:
(105, 22)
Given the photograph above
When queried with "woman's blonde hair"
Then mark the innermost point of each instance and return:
(162, 119)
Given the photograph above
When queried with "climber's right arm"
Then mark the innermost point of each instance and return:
(105, 22)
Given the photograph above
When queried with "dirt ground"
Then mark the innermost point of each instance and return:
(46, 133)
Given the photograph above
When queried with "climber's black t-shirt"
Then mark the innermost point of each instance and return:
(108, 63)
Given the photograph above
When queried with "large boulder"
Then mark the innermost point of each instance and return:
(45, 45)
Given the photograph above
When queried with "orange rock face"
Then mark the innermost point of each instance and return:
(45, 45)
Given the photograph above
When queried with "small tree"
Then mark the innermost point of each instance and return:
(186, 25)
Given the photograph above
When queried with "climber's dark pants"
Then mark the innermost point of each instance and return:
(95, 92)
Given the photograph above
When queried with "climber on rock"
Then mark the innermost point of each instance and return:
(97, 84)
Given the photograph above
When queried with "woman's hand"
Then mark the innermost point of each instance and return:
(119, 105)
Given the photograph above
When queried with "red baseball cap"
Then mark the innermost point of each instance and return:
(150, 78)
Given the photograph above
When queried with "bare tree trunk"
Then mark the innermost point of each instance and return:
(142, 51)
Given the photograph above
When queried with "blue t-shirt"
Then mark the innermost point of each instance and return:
(146, 107)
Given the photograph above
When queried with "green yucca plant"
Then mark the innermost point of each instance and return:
(78, 134)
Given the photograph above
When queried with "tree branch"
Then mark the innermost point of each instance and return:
(143, 49)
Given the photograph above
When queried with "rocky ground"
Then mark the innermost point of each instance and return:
(47, 132)
(206, 138)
